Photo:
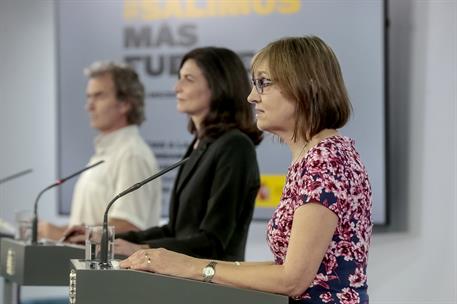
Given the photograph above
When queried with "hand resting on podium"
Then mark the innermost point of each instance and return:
(163, 261)
(125, 248)
(49, 231)
(74, 234)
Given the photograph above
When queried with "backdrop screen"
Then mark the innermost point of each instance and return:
(153, 36)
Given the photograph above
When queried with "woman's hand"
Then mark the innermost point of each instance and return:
(122, 247)
(74, 234)
(165, 262)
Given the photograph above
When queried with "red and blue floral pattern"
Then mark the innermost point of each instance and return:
(333, 175)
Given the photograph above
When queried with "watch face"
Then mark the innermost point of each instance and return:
(209, 271)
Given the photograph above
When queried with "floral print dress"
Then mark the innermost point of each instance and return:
(332, 174)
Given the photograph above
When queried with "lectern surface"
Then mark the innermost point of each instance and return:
(90, 286)
(37, 265)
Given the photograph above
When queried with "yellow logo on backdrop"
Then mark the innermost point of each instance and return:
(270, 191)
(147, 10)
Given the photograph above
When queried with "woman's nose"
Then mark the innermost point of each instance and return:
(253, 96)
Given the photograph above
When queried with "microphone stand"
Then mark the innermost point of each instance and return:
(15, 175)
(35, 205)
(104, 262)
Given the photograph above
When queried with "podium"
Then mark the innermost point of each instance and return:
(34, 265)
(94, 286)
(7, 236)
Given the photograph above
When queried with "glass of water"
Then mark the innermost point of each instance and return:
(24, 225)
(93, 241)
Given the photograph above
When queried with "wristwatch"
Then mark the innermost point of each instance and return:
(209, 271)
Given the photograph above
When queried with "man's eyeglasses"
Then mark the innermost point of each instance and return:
(261, 83)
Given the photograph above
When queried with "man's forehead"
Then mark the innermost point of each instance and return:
(100, 84)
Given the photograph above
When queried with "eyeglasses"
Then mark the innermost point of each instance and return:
(261, 83)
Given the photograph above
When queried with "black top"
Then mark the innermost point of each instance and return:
(212, 201)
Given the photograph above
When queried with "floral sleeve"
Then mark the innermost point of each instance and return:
(324, 181)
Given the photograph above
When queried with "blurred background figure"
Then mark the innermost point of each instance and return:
(115, 103)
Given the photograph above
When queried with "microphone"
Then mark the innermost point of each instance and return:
(15, 175)
(104, 263)
(57, 183)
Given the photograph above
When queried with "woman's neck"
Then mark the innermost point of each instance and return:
(197, 124)
(300, 147)
(198, 120)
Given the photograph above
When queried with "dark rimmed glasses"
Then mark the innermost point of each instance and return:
(261, 83)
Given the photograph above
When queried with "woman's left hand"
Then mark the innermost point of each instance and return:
(162, 261)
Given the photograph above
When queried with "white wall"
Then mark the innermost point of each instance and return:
(28, 102)
(411, 261)
(418, 263)
(28, 109)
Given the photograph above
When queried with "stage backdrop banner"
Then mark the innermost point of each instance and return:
(154, 35)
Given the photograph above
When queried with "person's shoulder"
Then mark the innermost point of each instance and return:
(329, 146)
(136, 148)
(133, 145)
(336, 154)
(235, 145)
(133, 140)
(235, 137)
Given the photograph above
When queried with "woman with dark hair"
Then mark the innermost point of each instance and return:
(320, 232)
(214, 193)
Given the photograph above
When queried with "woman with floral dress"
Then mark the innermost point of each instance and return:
(320, 232)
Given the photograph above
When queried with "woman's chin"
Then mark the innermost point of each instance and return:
(261, 125)
(181, 109)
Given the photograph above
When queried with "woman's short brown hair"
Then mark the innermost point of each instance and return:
(307, 71)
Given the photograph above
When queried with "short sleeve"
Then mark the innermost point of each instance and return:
(323, 181)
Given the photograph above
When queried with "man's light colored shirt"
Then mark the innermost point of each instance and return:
(128, 160)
